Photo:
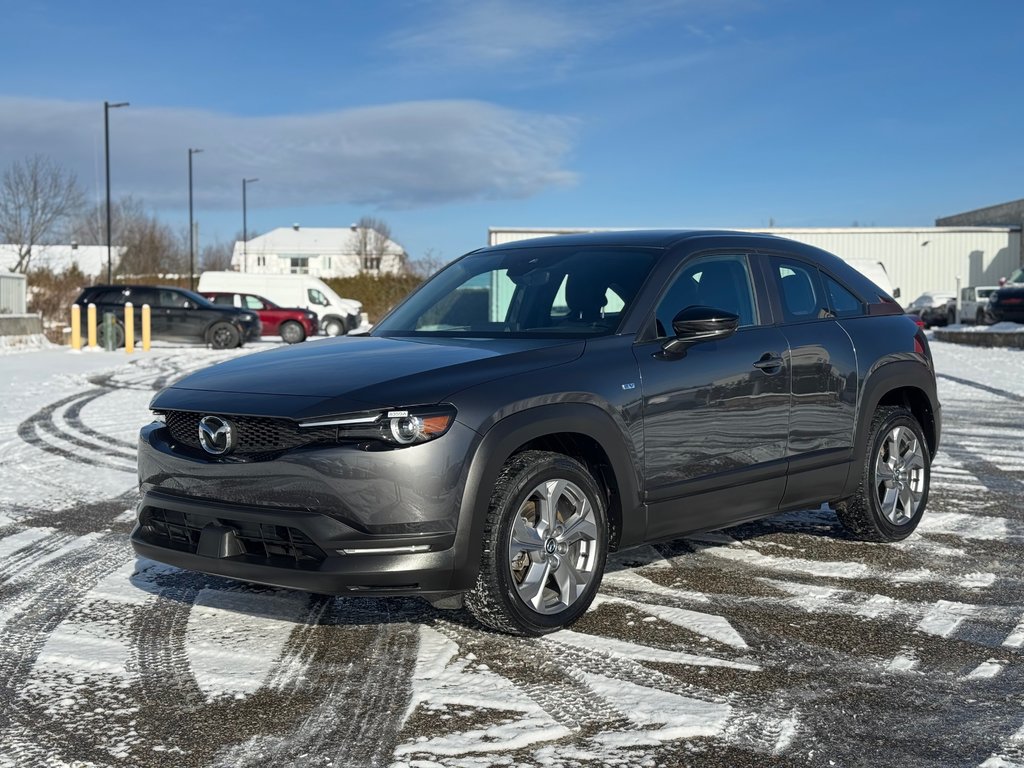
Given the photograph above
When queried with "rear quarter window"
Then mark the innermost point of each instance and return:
(842, 300)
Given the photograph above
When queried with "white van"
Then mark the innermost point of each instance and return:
(337, 315)
(875, 272)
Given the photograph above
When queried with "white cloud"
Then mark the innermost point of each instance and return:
(403, 155)
(539, 35)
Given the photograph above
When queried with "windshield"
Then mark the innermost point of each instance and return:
(557, 291)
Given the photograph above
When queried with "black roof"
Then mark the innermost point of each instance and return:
(641, 238)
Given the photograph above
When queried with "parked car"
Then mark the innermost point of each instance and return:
(538, 404)
(337, 316)
(974, 304)
(932, 307)
(291, 324)
(175, 314)
(1007, 303)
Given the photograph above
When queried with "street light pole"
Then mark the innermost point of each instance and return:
(107, 106)
(245, 227)
(191, 226)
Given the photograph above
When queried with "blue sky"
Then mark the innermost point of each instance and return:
(444, 118)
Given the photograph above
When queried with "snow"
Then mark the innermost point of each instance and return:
(234, 637)
(236, 641)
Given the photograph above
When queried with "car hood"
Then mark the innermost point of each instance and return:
(357, 373)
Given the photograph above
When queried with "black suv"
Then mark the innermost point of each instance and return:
(1007, 304)
(175, 314)
(534, 406)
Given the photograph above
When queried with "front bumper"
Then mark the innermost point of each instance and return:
(251, 331)
(1008, 313)
(333, 519)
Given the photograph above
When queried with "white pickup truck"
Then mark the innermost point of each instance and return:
(974, 304)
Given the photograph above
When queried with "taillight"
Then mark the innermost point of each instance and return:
(921, 345)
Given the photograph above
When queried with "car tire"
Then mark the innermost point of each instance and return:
(894, 483)
(538, 574)
(101, 335)
(292, 332)
(334, 327)
(224, 336)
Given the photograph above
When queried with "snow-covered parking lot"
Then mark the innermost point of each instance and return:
(776, 643)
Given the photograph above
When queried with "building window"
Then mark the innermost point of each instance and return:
(299, 265)
(261, 261)
(371, 263)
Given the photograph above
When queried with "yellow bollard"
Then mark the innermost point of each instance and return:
(76, 327)
(91, 320)
(145, 327)
(129, 327)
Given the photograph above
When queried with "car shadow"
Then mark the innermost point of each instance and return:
(302, 608)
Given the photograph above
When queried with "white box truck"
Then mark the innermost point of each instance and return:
(337, 315)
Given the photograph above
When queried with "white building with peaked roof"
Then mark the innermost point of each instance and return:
(320, 252)
(90, 259)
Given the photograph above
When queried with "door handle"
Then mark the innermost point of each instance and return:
(769, 363)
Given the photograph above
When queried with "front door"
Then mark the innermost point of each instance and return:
(716, 420)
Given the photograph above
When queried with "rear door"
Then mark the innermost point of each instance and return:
(813, 306)
(716, 420)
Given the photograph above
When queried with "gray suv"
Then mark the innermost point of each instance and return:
(536, 405)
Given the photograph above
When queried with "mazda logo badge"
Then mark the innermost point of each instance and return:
(216, 435)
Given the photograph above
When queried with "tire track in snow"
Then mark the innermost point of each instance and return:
(349, 674)
(52, 594)
(69, 445)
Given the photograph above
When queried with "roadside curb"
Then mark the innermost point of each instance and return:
(977, 338)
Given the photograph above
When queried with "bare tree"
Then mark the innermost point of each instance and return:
(217, 255)
(426, 265)
(148, 246)
(372, 239)
(37, 197)
(90, 226)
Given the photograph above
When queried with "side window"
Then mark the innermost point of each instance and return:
(253, 302)
(224, 298)
(800, 291)
(842, 301)
(719, 281)
(316, 297)
(140, 296)
(171, 299)
(109, 297)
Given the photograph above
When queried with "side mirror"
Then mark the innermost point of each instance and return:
(188, 304)
(698, 324)
(895, 293)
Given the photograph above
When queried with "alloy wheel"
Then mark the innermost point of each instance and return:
(553, 546)
(900, 475)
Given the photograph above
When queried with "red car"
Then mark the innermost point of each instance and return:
(291, 324)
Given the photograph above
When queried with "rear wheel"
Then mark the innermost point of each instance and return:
(894, 482)
(545, 545)
(117, 334)
(224, 336)
(292, 332)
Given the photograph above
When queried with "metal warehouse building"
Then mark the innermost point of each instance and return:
(917, 259)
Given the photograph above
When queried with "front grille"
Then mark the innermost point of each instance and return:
(264, 544)
(256, 437)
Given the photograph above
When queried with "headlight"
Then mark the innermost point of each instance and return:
(395, 426)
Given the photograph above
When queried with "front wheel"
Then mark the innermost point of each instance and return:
(334, 327)
(893, 489)
(224, 336)
(544, 548)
